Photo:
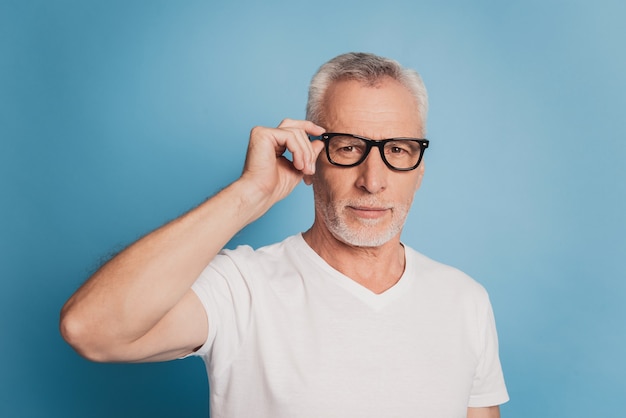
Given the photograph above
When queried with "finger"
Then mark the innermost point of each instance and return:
(306, 161)
(317, 146)
(314, 148)
(292, 135)
(306, 125)
(306, 155)
(296, 141)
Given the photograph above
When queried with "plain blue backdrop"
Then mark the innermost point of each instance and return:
(116, 116)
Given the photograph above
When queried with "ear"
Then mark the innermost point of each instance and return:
(308, 179)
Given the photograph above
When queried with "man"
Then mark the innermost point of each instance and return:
(340, 321)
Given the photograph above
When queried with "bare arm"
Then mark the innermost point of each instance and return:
(139, 306)
(487, 412)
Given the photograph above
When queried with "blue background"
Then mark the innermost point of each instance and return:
(117, 116)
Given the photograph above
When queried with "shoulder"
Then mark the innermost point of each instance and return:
(439, 275)
(247, 261)
(234, 272)
(268, 253)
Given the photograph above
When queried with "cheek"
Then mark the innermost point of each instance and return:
(319, 188)
(409, 190)
(327, 182)
(420, 176)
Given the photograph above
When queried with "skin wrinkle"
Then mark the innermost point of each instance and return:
(341, 231)
(376, 120)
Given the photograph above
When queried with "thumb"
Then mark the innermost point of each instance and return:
(318, 146)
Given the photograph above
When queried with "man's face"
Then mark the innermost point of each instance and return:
(367, 205)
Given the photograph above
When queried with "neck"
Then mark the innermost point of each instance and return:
(375, 268)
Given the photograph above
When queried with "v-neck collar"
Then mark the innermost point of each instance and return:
(373, 300)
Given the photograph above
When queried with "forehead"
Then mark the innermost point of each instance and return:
(384, 110)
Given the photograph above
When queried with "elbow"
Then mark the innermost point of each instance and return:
(82, 337)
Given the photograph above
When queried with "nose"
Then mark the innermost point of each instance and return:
(373, 173)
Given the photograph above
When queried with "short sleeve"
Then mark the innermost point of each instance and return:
(488, 388)
(225, 295)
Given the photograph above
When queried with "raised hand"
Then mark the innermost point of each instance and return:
(266, 165)
(139, 306)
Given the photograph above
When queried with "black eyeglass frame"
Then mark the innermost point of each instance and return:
(369, 143)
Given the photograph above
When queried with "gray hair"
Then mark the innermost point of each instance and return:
(366, 68)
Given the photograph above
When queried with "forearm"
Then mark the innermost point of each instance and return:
(485, 412)
(139, 306)
(130, 294)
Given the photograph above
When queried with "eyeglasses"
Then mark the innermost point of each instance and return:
(347, 150)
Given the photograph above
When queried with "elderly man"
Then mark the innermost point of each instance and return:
(342, 320)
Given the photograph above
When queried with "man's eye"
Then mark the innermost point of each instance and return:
(407, 148)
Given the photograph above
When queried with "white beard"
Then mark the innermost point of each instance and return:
(365, 232)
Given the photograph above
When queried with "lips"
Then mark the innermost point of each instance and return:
(369, 212)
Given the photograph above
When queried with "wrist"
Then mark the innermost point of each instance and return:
(252, 201)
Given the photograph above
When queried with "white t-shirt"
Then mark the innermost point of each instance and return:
(289, 336)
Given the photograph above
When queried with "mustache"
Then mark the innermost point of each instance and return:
(366, 202)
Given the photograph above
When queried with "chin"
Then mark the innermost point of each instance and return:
(360, 232)
(362, 237)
